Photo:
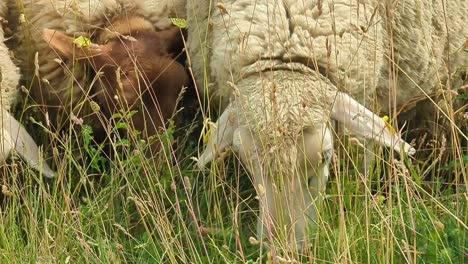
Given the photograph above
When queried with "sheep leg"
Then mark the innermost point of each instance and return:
(245, 145)
(315, 149)
(290, 201)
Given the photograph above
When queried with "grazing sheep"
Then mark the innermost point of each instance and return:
(129, 65)
(425, 39)
(276, 67)
(12, 134)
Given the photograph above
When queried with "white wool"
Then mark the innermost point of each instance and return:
(423, 49)
(9, 73)
(347, 41)
(263, 59)
(283, 101)
(244, 34)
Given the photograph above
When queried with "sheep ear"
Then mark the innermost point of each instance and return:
(363, 122)
(220, 137)
(66, 46)
(14, 136)
(173, 40)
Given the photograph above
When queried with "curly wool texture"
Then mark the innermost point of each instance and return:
(9, 73)
(256, 37)
(66, 83)
(347, 41)
(427, 40)
(245, 39)
(250, 38)
(282, 102)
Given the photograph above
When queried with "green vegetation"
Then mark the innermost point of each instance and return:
(126, 208)
(111, 204)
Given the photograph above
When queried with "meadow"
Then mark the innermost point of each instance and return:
(111, 204)
(127, 208)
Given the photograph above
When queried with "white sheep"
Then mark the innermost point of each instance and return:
(131, 58)
(12, 135)
(279, 70)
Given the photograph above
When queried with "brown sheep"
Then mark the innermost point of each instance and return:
(138, 70)
(130, 64)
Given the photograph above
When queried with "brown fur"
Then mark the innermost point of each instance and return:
(138, 70)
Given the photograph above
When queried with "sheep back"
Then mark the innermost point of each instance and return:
(337, 39)
(422, 44)
(355, 44)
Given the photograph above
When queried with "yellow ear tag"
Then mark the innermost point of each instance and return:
(386, 120)
(207, 129)
(82, 42)
(179, 22)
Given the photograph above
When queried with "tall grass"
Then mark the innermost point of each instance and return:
(123, 207)
(130, 209)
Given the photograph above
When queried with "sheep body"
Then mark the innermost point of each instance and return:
(238, 47)
(346, 41)
(13, 135)
(262, 36)
(128, 65)
(427, 43)
(66, 84)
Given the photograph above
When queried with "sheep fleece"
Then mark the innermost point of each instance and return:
(9, 73)
(346, 41)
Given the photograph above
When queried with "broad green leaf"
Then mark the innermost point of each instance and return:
(82, 41)
(179, 22)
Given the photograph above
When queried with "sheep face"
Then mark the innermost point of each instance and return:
(137, 72)
(274, 125)
(290, 181)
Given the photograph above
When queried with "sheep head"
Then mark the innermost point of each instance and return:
(359, 120)
(137, 72)
(277, 124)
